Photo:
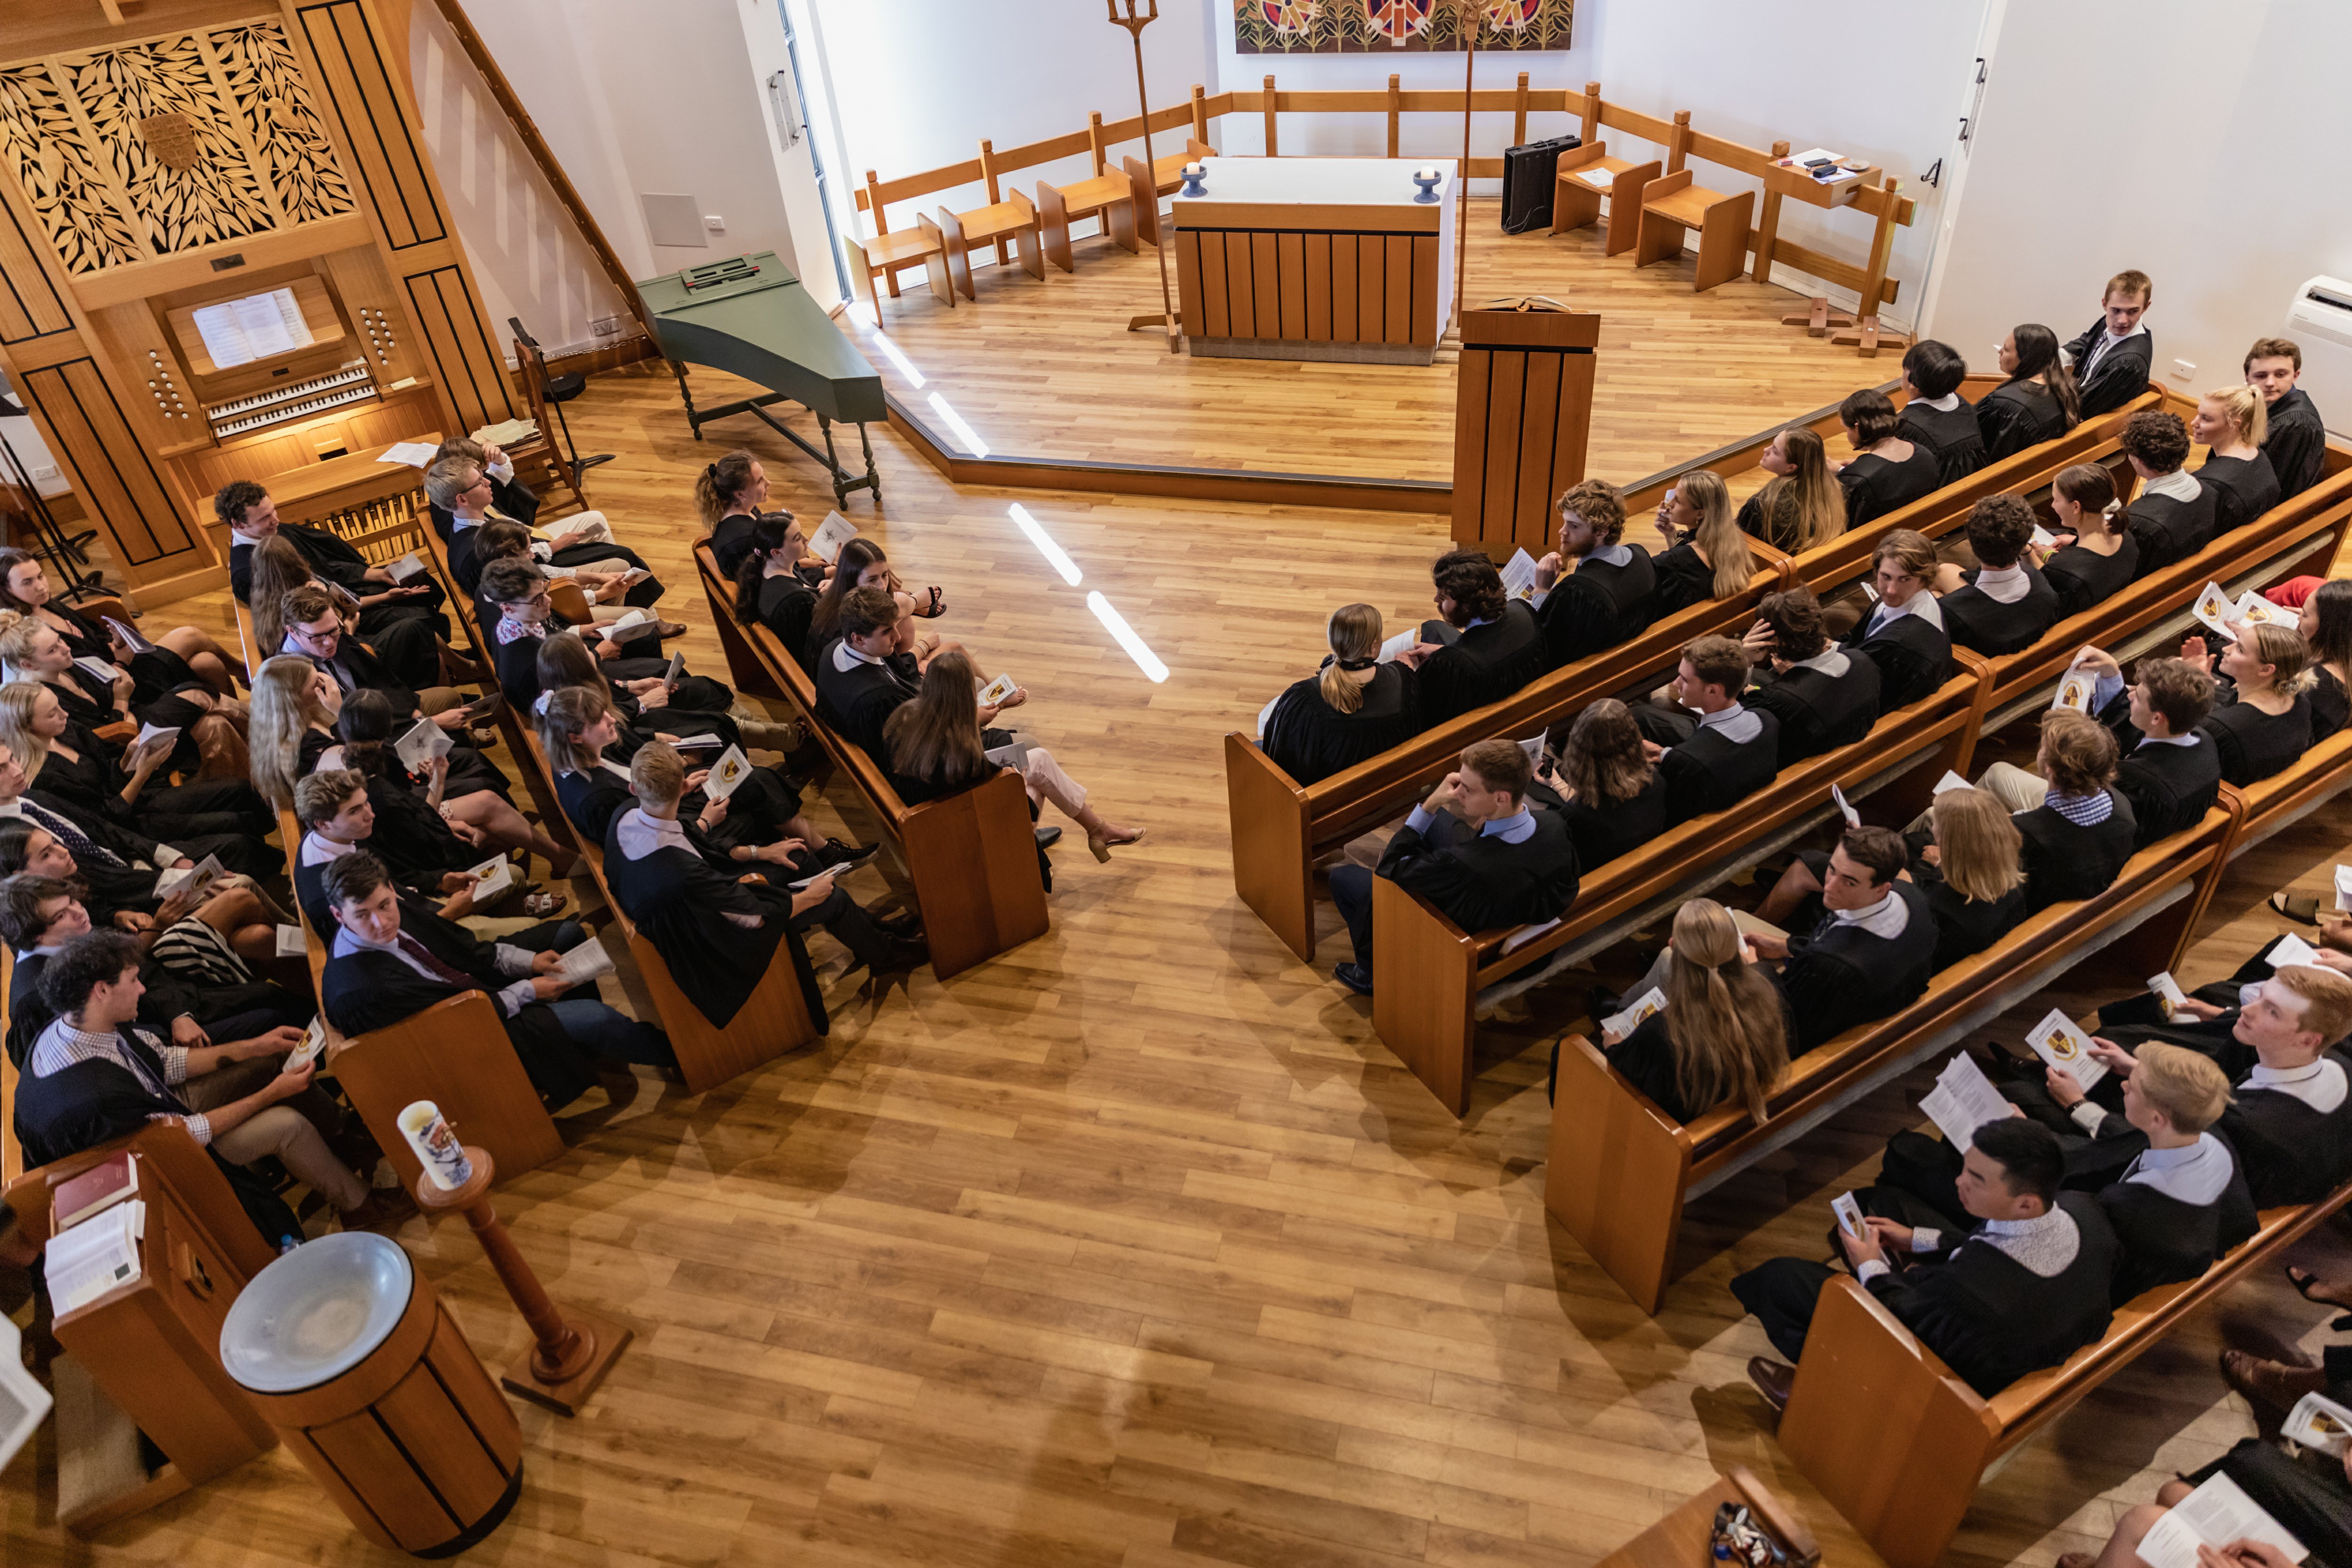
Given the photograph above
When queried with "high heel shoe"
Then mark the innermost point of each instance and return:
(1101, 846)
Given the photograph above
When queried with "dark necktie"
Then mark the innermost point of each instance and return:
(433, 966)
(76, 841)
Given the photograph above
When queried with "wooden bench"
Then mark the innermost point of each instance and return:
(1428, 971)
(1576, 195)
(1003, 219)
(972, 857)
(1620, 1170)
(1280, 826)
(1898, 1445)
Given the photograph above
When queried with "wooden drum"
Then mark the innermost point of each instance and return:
(347, 1352)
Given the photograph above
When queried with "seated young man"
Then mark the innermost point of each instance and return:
(2024, 1290)
(93, 991)
(39, 915)
(2172, 518)
(1903, 634)
(1485, 647)
(858, 685)
(518, 589)
(1821, 696)
(314, 631)
(2290, 1117)
(717, 935)
(251, 517)
(1936, 416)
(387, 965)
(2004, 604)
(1870, 951)
(1595, 591)
(333, 808)
(2112, 356)
(2170, 774)
(2294, 438)
(1475, 849)
(466, 492)
(1713, 751)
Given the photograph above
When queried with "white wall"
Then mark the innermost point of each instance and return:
(2209, 161)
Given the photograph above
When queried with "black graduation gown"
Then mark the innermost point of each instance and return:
(1489, 663)
(1480, 882)
(681, 905)
(369, 990)
(1974, 619)
(1310, 740)
(509, 498)
(332, 560)
(2017, 415)
(1958, 441)
(2082, 578)
(2296, 442)
(414, 840)
(2171, 787)
(1646, 1059)
(2063, 861)
(857, 702)
(1603, 832)
(2291, 1153)
(2166, 529)
(2164, 1240)
(2120, 375)
(1816, 711)
(1683, 579)
(2249, 744)
(1597, 607)
(1914, 658)
(2331, 705)
(2246, 486)
(1710, 771)
(210, 807)
(786, 605)
(1875, 486)
(1770, 515)
(1965, 927)
(1839, 975)
(2309, 1496)
(155, 673)
(731, 539)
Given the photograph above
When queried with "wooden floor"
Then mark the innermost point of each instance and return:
(1134, 1247)
(1048, 369)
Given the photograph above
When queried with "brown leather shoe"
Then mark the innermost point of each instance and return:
(384, 1207)
(2270, 1382)
(1773, 1379)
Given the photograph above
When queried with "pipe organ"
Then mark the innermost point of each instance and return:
(224, 253)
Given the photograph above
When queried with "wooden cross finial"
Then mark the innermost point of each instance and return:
(1132, 22)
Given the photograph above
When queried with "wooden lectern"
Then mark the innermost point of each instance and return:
(1522, 413)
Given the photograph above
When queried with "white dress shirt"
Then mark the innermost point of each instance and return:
(1921, 604)
(1889, 917)
(2193, 1174)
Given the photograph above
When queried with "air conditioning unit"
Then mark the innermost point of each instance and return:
(2320, 322)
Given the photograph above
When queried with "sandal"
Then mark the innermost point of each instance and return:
(936, 598)
(2304, 1283)
(539, 906)
(2296, 906)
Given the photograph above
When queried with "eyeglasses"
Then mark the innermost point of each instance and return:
(323, 637)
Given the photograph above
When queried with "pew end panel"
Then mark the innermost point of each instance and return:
(455, 1054)
(1273, 844)
(1422, 1000)
(1876, 1421)
(746, 670)
(773, 1022)
(1616, 1172)
(973, 861)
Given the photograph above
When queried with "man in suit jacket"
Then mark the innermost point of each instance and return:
(1595, 591)
(2295, 439)
(1874, 948)
(2003, 605)
(1713, 751)
(1822, 696)
(2112, 356)
(382, 972)
(314, 631)
(252, 517)
(1475, 849)
(1485, 648)
(2173, 516)
(2170, 774)
(1936, 413)
(2024, 1290)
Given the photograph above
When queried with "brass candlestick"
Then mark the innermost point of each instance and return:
(1135, 24)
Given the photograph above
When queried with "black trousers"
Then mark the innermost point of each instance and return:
(1351, 891)
(851, 926)
(1783, 1293)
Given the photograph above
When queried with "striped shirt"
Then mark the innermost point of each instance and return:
(62, 1045)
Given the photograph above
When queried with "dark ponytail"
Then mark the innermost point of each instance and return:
(768, 536)
(2037, 354)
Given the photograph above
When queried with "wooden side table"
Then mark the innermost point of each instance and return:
(1681, 1540)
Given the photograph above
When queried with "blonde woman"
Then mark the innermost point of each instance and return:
(2096, 556)
(1705, 556)
(295, 706)
(1723, 1037)
(1802, 506)
(65, 761)
(2233, 423)
(1353, 709)
(2261, 722)
(1972, 871)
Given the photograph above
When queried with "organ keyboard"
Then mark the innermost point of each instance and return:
(348, 384)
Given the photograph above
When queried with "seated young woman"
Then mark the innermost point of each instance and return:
(2231, 423)
(1904, 632)
(1888, 470)
(936, 750)
(1802, 505)
(210, 742)
(1723, 1036)
(2038, 402)
(581, 595)
(415, 817)
(208, 941)
(2261, 722)
(2327, 625)
(1970, 866)
(862, 565)
(729, 495)
(295, 709)
(175, 661)
(1598, 775)
(410, 649)
(2078, 836)
(1705, 556)
(1352, 711)
(775, 586)
(2096, 556)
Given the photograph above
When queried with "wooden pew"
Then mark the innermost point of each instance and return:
(1280, 826)
(1620, 1170)
(1898, 1445)
(1429, 971)
(972, 857)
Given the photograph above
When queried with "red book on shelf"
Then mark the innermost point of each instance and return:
(102, 1187)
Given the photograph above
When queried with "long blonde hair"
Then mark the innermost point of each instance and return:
(1355, 636)
(1723, 1018)
(284, 705)
(1979, 844)
(19, 699)
(2245, 406)
(1717, 535)
(1810, 497)
(935, 736)
(2289, 656)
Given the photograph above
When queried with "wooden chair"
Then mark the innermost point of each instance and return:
(1575, 193)
(1672, 205)
(548, 393)
(886, 255)
(1108, 198)
(1620, 1170)
(1001, 220)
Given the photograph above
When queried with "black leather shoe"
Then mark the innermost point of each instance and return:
(834, 853)
(1773, 1379)
(1048, 836)
(1355, 977)
(904, 923)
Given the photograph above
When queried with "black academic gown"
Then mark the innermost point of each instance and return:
(857, 702)
(2082, 578)
(1603, 832)
(2296, 442)
(2246, 486)
(786, 604)
(681, 905)
(1839, 975)
(1489, 663)
(332, 560)
(2017, 415)
(2064, 861)
(1598, 607)
(1480, 882)
(2331, 705)
(369, 990)
(2171, 787)
(1817, 711)
(2166, 529)
(1684, 578)
(1310, 740)
(1965, 927)
(1958, 441)
(2164, 1240)
(2249, 744)
(2120, 375)
(1974, 619)
(1710, 771)
(1875, 486)
(1914, 658)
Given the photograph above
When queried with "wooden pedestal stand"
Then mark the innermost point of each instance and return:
(575, 1349)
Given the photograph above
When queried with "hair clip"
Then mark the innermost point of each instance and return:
(539, 705)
